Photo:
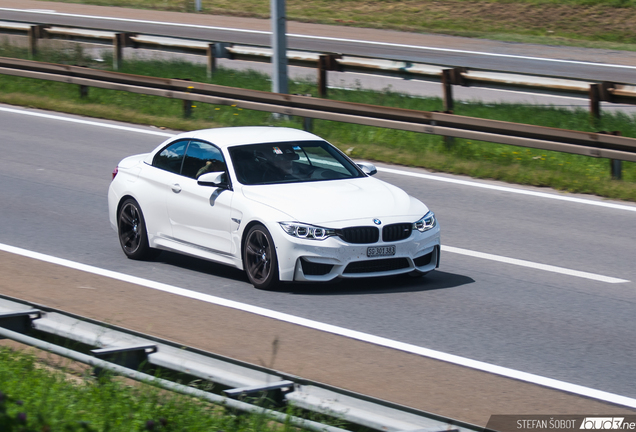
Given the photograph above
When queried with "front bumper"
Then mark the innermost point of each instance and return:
(320, 261)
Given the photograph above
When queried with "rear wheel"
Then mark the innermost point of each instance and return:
(131, 228)
(259, 258)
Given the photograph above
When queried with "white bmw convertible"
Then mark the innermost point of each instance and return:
(282, 204)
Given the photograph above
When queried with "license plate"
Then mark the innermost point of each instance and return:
(380, 251)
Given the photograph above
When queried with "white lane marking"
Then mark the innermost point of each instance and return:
(533, 265)
(170, 24)
(510, 190)
(381, 169)
(85, 122)
(341, 331)
(333, 39)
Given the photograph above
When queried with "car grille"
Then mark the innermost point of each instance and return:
(315, 269)
(377, 266)
(396, 232)
(360, 235)
(369, 234)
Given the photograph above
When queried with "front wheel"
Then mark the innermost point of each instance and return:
(259, 258)
(131, 228)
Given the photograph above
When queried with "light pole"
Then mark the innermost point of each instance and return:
(279, 47)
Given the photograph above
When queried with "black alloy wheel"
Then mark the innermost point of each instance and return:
(131, 228)
(259, 258)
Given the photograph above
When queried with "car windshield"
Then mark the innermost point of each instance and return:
(290, 162)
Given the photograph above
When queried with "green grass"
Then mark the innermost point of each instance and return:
(562, 171)
(593, 23)
(35, 397)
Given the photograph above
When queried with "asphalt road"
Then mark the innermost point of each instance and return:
(53, 180)
(572, 327)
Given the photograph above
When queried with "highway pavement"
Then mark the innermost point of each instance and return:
(531, 280)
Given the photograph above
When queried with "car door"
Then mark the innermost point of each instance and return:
(166, 168)
(200, 215)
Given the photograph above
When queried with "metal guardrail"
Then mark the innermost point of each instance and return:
(595, 90)
(601, 144)
(133, 354)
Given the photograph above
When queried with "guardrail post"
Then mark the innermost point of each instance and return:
(211, 53)
(447, 88)
(599, 93)
(616, 165)
(83, 91)
(450, 77)
(120, 41)
(326, 62)
(595, 102)
(187, 104)
(308, 123)
(322, 76)
(187, 108)
(616, 168)
(35, 32)
(19, 321)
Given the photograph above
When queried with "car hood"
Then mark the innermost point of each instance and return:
(330, 202)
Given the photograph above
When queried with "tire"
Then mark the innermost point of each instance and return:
(131, 228)
(259, 258)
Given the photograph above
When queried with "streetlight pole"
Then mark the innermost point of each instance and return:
(279, 47)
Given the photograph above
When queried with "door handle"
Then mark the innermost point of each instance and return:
(176, 188)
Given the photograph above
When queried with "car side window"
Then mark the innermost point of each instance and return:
(201, 158)
(171, 158)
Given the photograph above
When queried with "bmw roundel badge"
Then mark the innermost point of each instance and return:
(377, 221)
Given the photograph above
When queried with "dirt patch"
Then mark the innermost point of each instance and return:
(511, 20)
(574, 21)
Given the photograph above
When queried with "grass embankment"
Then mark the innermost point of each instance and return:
(35, 397)
(591, 23)
(481, 160)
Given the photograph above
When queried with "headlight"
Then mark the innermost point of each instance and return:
(305, 231)
(426, 223)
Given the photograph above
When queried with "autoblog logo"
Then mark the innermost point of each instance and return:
(598, 423)
(560, 423)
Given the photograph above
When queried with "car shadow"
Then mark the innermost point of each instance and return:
(201, 266)
(382, 285)
(391, 284)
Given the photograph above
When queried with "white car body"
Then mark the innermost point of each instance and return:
(210, 220)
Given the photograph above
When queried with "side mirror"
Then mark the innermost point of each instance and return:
(368, 168)
(214, 179)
